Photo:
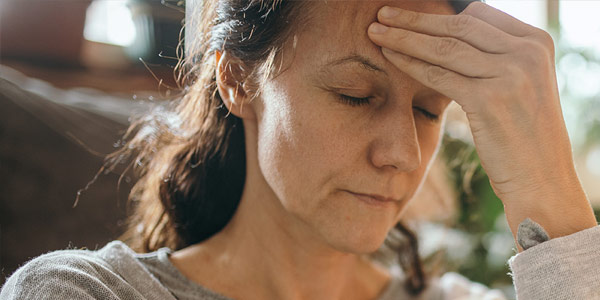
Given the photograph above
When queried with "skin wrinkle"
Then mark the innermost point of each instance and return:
(365, 43)
(354, 58)
(304, 150)
(358, 46)
(363, 62)
(338, 76)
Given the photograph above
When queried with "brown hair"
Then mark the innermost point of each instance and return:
(189, 153)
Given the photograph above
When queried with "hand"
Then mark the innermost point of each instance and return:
(501, 72)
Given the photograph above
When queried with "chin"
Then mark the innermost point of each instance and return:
(363, 241)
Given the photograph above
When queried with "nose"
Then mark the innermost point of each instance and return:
(395, 144)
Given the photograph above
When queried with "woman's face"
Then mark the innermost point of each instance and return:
(319, 152)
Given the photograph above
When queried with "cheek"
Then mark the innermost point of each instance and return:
(296, 151)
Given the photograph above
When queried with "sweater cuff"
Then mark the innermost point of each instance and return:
(560, 268)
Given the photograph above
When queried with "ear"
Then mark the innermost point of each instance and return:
(231, 76)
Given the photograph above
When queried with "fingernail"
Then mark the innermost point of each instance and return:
(388, 12)
(377, 28)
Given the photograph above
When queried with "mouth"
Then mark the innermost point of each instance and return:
(374, 199)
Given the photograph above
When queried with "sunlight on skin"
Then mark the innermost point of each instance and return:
(487, 67)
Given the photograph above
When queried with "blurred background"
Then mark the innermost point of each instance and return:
(72, 72)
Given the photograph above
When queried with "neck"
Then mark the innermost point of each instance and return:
(266, 253)
(269, 255)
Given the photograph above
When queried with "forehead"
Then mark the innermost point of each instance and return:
(337, 29)
(356, 14)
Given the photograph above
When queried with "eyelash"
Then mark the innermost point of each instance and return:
(354, 101)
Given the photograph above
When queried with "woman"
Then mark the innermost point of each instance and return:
(307, 129)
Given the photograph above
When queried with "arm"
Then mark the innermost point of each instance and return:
(501, 72)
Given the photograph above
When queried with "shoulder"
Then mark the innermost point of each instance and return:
(75, 274)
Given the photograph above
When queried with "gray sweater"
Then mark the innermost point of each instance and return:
(561, 268)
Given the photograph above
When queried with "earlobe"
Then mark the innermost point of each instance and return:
(230, 77)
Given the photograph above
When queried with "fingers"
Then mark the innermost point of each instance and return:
(467, 28)
(499, 19)
(446, 82)
(467, 56)
(447, 52)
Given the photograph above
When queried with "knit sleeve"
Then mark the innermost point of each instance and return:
(567, 267)
(66, 274)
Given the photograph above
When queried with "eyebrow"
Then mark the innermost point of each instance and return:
(355, 58)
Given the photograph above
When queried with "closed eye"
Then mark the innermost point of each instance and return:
(357, 101)
(354, 101)
(427, 114)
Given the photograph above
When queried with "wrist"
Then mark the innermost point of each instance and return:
(560, 214)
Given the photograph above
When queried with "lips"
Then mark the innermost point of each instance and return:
(374, 198)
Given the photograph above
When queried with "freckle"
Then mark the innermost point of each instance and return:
(347, 218)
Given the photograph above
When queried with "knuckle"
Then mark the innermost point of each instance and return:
(534, 54)
(412, 19)
(460, 25)
(446, 46)
(436, 75)
(475, 8)
(544, 38)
